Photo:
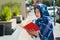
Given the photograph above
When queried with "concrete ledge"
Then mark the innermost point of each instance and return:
(18, 18)
(8, 26)
(57, 38)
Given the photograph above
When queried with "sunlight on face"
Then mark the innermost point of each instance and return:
(37, 13)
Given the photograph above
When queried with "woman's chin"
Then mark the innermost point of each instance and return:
(37, 17)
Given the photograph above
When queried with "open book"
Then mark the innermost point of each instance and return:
(31, 26)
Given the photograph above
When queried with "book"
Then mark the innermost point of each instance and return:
(31, 26)
(25, 22)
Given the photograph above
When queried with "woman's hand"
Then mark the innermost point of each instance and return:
(33, 33)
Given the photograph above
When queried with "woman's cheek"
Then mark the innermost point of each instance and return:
(38, 15)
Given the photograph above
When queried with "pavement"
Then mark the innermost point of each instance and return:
(57, 30)
(19, 34)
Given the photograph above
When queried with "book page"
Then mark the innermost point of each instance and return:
(25, 22)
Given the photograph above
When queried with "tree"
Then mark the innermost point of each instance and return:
(31, 2)
(46, 2)
(57, 2)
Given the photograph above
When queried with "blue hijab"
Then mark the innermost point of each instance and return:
(44, 22)
(43, 9)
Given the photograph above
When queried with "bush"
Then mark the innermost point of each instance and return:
(16, 11)
(31, 2)
(46, 2)
(57, 3)
(6, 14)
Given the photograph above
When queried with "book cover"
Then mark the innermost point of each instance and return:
(31, 26)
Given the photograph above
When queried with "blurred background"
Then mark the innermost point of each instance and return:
(13, 12)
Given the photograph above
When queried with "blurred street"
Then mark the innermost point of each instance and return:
(13, 13)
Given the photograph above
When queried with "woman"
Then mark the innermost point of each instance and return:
(43, 21)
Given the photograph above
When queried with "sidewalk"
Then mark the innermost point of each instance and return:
(57, 30)
(19, 34)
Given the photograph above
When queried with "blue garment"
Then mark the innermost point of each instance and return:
(44, 23)
(46, 27)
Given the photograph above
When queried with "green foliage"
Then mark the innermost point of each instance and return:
(57, 2)
(16, 11)
(6, 14)
(46, 2)
(17, 4)
(31, 2)
(7, 9)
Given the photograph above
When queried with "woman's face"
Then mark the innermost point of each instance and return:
(37, 13)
